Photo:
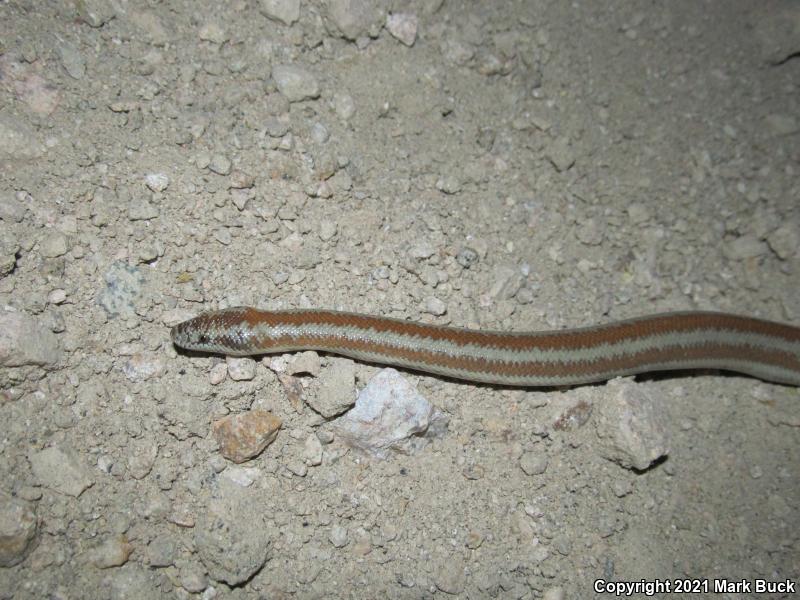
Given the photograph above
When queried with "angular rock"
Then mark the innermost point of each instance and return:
(356, 18)
(18, 527)
(403, 27)
(60, 469)
(232, 537)
(777, 31)
(785, 241)
(123, 289)
(744, 247)
(533, 463)
(243, 436)
(283, 11)
(113, 551)
(632, 425)
(390, 414)
(24, 341)
(53, 245)
(336, 389)
(295, 83)
(18, 140)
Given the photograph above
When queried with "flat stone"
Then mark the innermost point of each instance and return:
(283, 11)
(110, 552)
(18, 527)
(632, 425)
(295, 83)
(24, 341)
(60, 469)
(355, 18)
(403, 27)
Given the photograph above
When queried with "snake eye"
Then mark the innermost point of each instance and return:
(203, 338)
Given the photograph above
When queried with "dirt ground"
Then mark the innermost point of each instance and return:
(514, 165)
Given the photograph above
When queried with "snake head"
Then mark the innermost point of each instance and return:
(220, 332)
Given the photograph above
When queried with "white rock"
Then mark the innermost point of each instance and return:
(336, 389)
(390, 414)
(344, 106)
(24, 341)
(18, 140)
(355, 18)
(338, 536)
(779, 125)
(304, 363)
(312, 451)
(295, 83)
(785, 241)
(60, 469)
(403, 26)
(242, 368)
(744, 247)
(283, 11)
(632, 425)
(434, 306)
(157, 182)
(533, 463)
(241, 476)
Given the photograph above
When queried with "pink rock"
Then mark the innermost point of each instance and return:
(243, 436)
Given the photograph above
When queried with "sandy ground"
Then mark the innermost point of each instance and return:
(520, 165)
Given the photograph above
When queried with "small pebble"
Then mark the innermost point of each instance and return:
(434, 306)
(161, 551)
(218, 373)
(213, 32)
(450, 577)
(466, 257)
(241, 476)
(241, 369)
(449, 184)
(554, 593)
(312, 451)
(327, 229)
(785, 241)
(220, 164)
(295, 83)
(338, 536)
(319, 133)
(296, 467)
(193, 578)
(304, 363)
(744, 247)
(243, 436)
(111, 552)
(344, 106)
(283, 11)
(54, 244)
(57, 296)
(142, 210)
(403, 26)
(18, 529)
(560, 154)
(782, 124)
(61, 469)
(157, 182)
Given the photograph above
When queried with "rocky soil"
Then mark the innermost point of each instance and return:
(528, 164)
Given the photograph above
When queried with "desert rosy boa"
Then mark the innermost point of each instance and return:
(669, 341)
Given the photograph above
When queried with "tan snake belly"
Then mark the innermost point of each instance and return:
(669, 341)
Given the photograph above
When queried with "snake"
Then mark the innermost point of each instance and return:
(688, 340)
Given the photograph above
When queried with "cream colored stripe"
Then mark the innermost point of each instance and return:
(211, 333)
(566, 356)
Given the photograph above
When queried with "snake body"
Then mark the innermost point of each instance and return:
(671, 341)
